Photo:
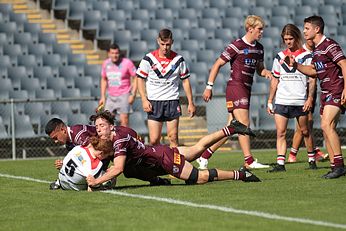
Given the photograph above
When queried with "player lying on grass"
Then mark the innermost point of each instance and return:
(71, 136)
(82, 161)
(161, 159)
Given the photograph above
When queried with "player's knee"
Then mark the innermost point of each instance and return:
(173, 138)
(305, 131)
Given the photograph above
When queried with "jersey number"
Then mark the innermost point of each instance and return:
(70, 168)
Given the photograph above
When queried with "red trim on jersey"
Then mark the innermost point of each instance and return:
(295, 53)
(94, 161)
(143, 73)
(276, 73)
(164, 61)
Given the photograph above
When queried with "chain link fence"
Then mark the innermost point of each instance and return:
(22, 123)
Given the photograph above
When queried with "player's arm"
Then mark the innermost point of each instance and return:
(103, 88)
(311, 91)
(133, 89)
(263, 72)
(272, 91)
(208, 94)
(308, 70)
(143, 93)
(342, 64)
(187, 88)
(112, 172)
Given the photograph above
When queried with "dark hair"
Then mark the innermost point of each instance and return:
(113, 46)
(316, 21)
(294, 31)
(165, 34)
(53, 124)
(106, 146)
(107, 115)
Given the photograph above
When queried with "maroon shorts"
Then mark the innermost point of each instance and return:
(331, 99)
(237, 97)
(173, 162)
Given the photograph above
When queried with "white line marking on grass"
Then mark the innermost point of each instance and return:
(205, 206)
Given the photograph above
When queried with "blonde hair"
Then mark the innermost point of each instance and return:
(253, 21)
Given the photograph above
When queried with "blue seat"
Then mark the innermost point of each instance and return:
(79, 60)
(174, 5)
(123, 38)
(68, 72)
(217, 45)
(135, 26)
(119, 16)
(267, 3)
(226, 35)
(84, 84)
(52, 60)
(16, 74)
(23, 127)
(6, 9)
(8, 28)
(231, 23)
(61, 49)
(137, 50)
(191, 45)
(3, 132)
(244, 4)
(19, 95)
(4, 39)
(90, 23)
(304, 11)
(72, 93)
(60, 8)
(103, 6)
(43, 73)
(158, 24)
(335, 3)
(189, 13)
(19, 19)
(5, 61)
(77, 118)
(143, 15)
(279, 21)
(13, 51)
(314, 3)
(75, 14)
(88, 107)
(92, 70)
(198, 34)
(137, 120)
(210, 24)
(261, 11)
(150, 35)
(290, 3)
(47, 38)
(127, 5)
(29, 61)
(105, 32)
(165, 14)
(220, 4)
(214, 13)
(23, 38)
(5, 87)
(61, 107)
(282, 11)
(37, 50)
(272, 32)
(30, 85)
(34, 111)
(207, 56)
(56, 84)
(150, 4)
(196, 4)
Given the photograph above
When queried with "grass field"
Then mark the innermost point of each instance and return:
(295, 200)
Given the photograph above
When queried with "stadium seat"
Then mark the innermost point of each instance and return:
(198, 34)
(103, 6)
(30, 85)
(122, 38)
(119, 16)
(196, 4)
(77, 118)
(95, 92)
(143, 15)
(226, 35)
(201, 69)
(3, 132)
(290, 3)
(28, 61)
(342, 30)
(282, 11)
(207, 56)
(5, 61)
(47, 38)
(90, 23)
(267, 3)
(68, 72)
(158, 24)
(23, 38)
(75, 14)
(19, 95)
(23, 127)
(189, 13)
(4, 40)
(37, 50)
(93, 70)
(137, 120)
(19, 19)
(89, 107)
(104, 35)
(165, 14)
(184, 24)
(314, 3)
(304, 11)
(34, 111)
(5, 87)
(16, 74)
(150, 35)
(56, 84)
(231, 23)
(137, 50)
(244, 4)
(189, 56)
(179, 34)
(191, 45)
(9, 28)
(210, 24)
(336, 3)
(272, 32)
(212, 13)
(60, 8)
(127, 5)
(13, 51)
(135, 26)
(72, 93)
(52, 60)
(279, 21)
(217, 45)
(43, 73)
(79, 60)
(6, 9)
(84, 84)
(61, 107)
(174, 5)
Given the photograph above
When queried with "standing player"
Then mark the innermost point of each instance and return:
(116, 76)
(298, 136)
(330, 67)
(162, 159)
(293, 96)
(159, 74)
(245, 56)
(83, 161)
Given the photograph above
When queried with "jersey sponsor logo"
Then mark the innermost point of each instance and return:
(329, 97)
(250, 62)
(319, 66)
(336, 100)
(300, 61)
(244, 101)
(229, 104)
(246, 51)
(175, 169)
(177, 159)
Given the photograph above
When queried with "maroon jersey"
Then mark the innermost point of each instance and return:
(80, 134)
(243, 58)
(158, 157)
(325, 58)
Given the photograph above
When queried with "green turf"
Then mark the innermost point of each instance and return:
(299, 193)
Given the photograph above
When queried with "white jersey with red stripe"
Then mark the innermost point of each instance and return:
(292, 88)
(77, 165)
(162, 75)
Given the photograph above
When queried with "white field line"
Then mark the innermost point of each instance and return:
(205, 206)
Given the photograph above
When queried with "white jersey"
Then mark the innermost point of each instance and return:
(77, 165)
(162, 75)
(292, 89)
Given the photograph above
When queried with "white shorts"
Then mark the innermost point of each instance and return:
(119, 104)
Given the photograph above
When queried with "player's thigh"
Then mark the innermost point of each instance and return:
(172, 126)
(186, 171)
(330, 116)
(242, 115)
(303, 122)
(281, 123)
(155, 128)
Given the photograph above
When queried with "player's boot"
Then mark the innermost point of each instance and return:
(335, 173)
(249, 176)
(55, 185)
(203, 163)
(320, 156)
(292, 158)
(278, 168)
(312, 165)
(256, 165)
(241, 128)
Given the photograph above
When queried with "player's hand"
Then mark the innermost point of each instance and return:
(131, 99)
(289, 60)
(147, 107)
(101, 105)
(270, 108)
(207, 95)
(308, 104)
(191, 109)
(91, 181)
(343, 97)
(58, 164)
(268, 75)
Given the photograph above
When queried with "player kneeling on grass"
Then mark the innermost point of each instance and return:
(83, 161)
(162, 159)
